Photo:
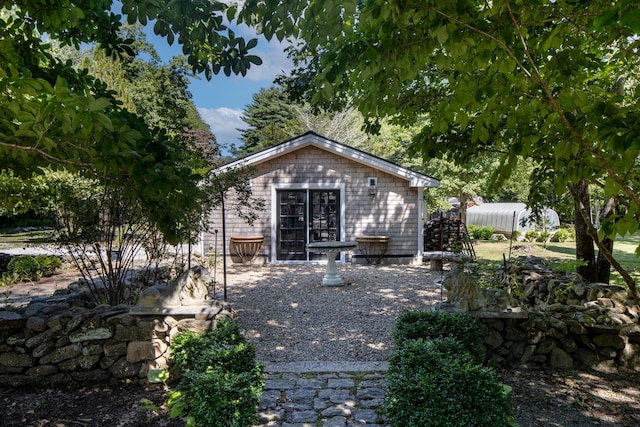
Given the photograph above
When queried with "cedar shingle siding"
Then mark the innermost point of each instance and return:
(394, 210)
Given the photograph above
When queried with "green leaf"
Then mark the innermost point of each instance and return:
(442, 34)
(158, 375)
(631, 18)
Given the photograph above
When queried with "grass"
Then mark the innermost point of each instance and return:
(25, 238)
(490, 254)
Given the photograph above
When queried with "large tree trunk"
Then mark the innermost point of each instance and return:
(602, 263)
(584, 243)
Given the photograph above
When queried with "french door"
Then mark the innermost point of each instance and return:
(306, 216)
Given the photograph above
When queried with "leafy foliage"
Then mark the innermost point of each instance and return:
(480, 232)
(554, 82)
(48, 264)
(434, 380)
(222, 381)
(415, 325)
(53, 113)
(273, 118)
(25, 267)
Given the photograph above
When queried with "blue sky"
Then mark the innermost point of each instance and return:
(221, 100)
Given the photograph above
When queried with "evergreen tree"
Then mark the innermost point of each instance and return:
(271, 118)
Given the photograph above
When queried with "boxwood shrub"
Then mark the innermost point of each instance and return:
(221, 380)
(435, 376)
(429, 325)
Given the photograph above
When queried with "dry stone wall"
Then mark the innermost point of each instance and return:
(61, 341)
(569, 324)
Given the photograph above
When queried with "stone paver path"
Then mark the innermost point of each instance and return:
(323, 394)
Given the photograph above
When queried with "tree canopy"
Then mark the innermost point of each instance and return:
(273, 118)
(554, 81)
(53, 114)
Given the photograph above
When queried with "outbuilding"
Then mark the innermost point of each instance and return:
(317, 190)
(508, 217)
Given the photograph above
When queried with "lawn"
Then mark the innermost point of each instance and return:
(25, 238)
(490, 254)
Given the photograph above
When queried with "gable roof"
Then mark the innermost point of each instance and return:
(415, 179)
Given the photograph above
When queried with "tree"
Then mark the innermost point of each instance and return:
(273, 118)
(530, 79)
(52, 114)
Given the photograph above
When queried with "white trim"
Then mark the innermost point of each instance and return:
(415, 179)
(420, 203)
(274, 215)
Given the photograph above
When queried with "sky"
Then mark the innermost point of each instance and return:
(221, 100)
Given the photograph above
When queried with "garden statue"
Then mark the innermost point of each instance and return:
(464, 294)
(188, 289)
(463, 291)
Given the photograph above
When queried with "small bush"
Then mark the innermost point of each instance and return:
(25, 267)
(436, 383)
(415, 325)
(561, 235)
(516, 234)
(7, 278)
(222, 379)
(531, 235)
(479, 232)
(544, 236)
(48, 264)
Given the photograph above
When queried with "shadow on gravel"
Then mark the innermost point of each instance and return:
(290, 316)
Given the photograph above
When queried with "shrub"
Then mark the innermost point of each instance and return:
(516, 234)
(436, 383)
(544, 236)
(48, 264)
(7, 278)
(25, 267)
(479, 232)
(561, 235)
(531, 235)
(222, 379)
(418, 325)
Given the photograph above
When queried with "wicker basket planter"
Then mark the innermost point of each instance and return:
(245, 248)
(373, 247)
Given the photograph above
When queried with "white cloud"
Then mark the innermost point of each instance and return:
(274, 61)
(224, 123)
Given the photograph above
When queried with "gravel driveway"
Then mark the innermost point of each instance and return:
(291, 317)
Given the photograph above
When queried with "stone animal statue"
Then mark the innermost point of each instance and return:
(498, 299)
(189, 288)
(463, 291)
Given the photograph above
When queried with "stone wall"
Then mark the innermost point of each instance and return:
(56, 342)
(569, 323)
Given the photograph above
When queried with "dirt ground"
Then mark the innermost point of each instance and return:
(540, 397)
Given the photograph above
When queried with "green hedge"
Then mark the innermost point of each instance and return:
(221, 380)
(478, 232)
(435, 378)
(429, 325)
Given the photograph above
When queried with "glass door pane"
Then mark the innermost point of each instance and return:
(292, 225)
(324, 217)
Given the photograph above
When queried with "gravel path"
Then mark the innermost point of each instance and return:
(291, 317)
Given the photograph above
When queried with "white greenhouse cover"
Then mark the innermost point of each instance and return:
(504, 217)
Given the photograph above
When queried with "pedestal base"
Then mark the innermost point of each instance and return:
(331, 275)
